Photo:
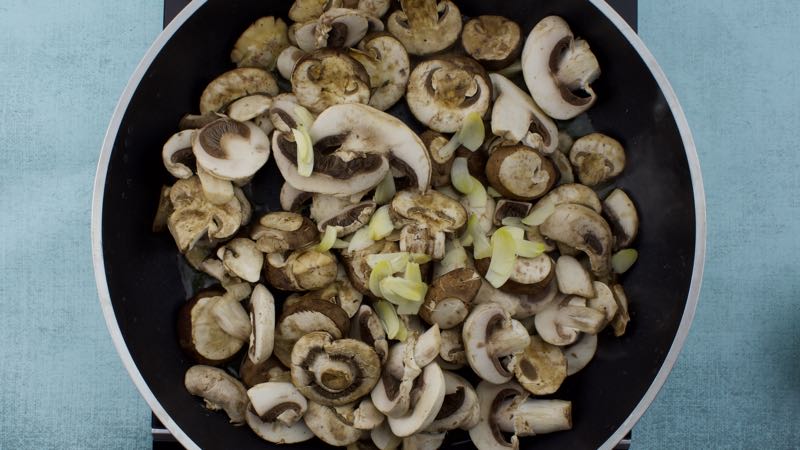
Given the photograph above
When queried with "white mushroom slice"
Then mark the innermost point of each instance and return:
(277, 432)
(293, 199)
(231, 150)
(424, 441)
(573, 278)
(493, 41)
(200, 334)
(569, 193)
(564, 167)
(490, 294)
(242, 258)
(534, 416)
(365, 326)
(328, 77)
(367, 416)
(519, 172)
(287, 60)
(559, 69)
(235, 84)
(585, 230)
(580, 353)
(278, 402)
(603, 301)
(561, 323)
(219, 391)
(425, 26)
(231, 317)
(282, 231)
(486, 434)
(349, 219)
(427, 346)
(620, 322)
(449, 298)
(177, 154)
(215, 190)
(597, 158)
(490, 335)
(530, 305)
(392, 393)
(335, 28)
(386, 61)
(333, 426)
(383, 438)
(304, 317)
(262, 321)
(438, 212)
(517, 118)
(429, 398)
(443, 92)
(250, 107)
(286, 113)
(305, 10)
(460, 407)
(541, 367)
(622, 216)
(451, 354)
(261, 43)
(163, 211)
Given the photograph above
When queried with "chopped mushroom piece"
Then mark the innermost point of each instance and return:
(516, 118)
(622, 216)
(603, 301)
(253, 107)
(242, 258)
(620, 321)
(327, 77)
(460, 407)
(219, 391)
(335, 28)
(270, 369)
(305, 10)
(367, 416)
(304, 317)
(580, 353)
(441, 166)
(333, 425)
(583, 229)
(177, 154)
(200, 334)
(451, 353)
(520, 172)
(530, 276)
(541, 367)
(261, 43)
(287, 59)
(564, 167)
(231, 150)
(386, 61)
(163, 211)
(262, 321)
(349, 219)
(428, 399)
(510, 209)
(303, 270)
(425, 26)
(493, 41)
(597, 158)
(491, 335)
(278, 232)
(383, 438)
(449, 298)
(193, 217)
(366, 327)
(573, 278)
(235, 84)
(562, 322)
(423, 441)
(293, 199)
(274, 413)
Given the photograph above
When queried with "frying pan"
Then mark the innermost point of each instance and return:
(142, 281)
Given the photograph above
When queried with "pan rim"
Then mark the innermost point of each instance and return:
(633, 39)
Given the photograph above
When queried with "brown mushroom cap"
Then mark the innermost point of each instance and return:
(449, 298)
(261, 43)
(597, 158)
(303, 270)
(437, 211)
(541, 367)
(328, 77)
(530, 275)
(282, 231)
(493, 41)
(425, 26)
(520, 172)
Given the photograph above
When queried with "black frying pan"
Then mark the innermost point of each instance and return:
(139, 276)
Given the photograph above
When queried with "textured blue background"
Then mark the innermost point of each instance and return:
(734, 65)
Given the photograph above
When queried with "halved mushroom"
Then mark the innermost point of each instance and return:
(603, 301)
(386, 61)
(334, 426)
(541, 367)
(235, 84)
(335, 28)
(193, 217)
(559, 69)
(573, 278)
(510, 209)
(493, 41)
(280, 231)
(451, 353)
(231, 150)
(177, 154)
(425, 26)
(293, 199)
(328, 77)
(200, 334)
(303, 270)
(366, 327)
(449, 298)
(275, 412)
(242, 258)
(562, 322)
(427, 399)
(580, 353)
(367, 416)
(490, 336)
(622, 216)
(597, 158)
(520, 172)
(261, 43)
(582, 228)
(515, 117)
(305, 317)
(333, 372)
(441, 166)
(620, 321)
(262, 321)
(460, 407)
(219, 391)
(529, 277)
(443, 91)
(349, 219)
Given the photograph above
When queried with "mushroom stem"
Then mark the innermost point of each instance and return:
(534, 416)
(511, 338)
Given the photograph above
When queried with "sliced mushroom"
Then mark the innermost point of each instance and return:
(250, 108)
(451, 353)
(231, 317)
(278, 232)
(262, 321)
(215, 190)
(349, 219)
(510, 209)
(277, 432)
(200, 334)
(530, 305)
(583, 229)
(293, 199)
(231, 150)
(219, 391)
(303, 270)
(358, 270)
(328, 77)
(386, 61)
(197, 121)
(177, 154)
(333, 372)
(427, 346)
(287, 60)
(620, 321)
(335, 28)
(305, 317)
(622, 216)
(493, 41)
(305, 10)
(460, 407)
(490, 294)
(334, 426)
(441, 166)
(562, 322)
(270, 369)
(277, 402)
(425, 26)
(437, 211)
(443, 91)
(383, 438)
(564, 167)
(235, 84)
(568, 193)
(597, 158)
(580, 353)
(423, 441)
(261, 43)
(559, 69)
(242, 258)
(603, 301)
(487, 434)
(429, 396)
(449, 298)
(194, 218)
(541, 367)
(366, 327)
(573, 278)
(520, 172)
(529, 277)
(516, 118)
(367, 416)
(491, 335)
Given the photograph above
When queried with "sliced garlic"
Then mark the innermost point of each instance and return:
(472, 132)
(380, 225)
(623, 260)
(504, 257)
(388, 317)
(328, 239)
(360, 240)
(305, 151)
(381, 270)
(384, 192)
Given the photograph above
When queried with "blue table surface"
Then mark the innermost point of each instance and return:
(733, 63)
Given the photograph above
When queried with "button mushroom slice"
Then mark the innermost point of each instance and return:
(460, 407)
(520, 172)
(328, 77)
(282, 231)
(219, 391)
(355, 127)
(303, 270)
(597, 158)
(277, 432)
(375, 8)
(383, 438)
(516, 118)
(559, 69)
(567, 193)
(490, 294)
(333, 372)
(367, 416)
(231, 317)
(603, 301)
(386, 61)
(287, 59)
(440, 213)
(425, 26)
(305, 10)
(585, 230)
(194, 218)
(392, 393)
(493, 41)
(250, 108)
(451, 353)
(440, 166)
(366, 327)
(350, 219)
(347, 296)
(561, 323)
(541, 367)
(573, 278)
(449, 298)
(304, 317)
(262, 321)
(270, 369)
(242, 258)
(620, 321)
(580, 353)
(564, 167)
(261, 43)
(424, 441)
(427, 346)
(336, 28)
(177, 154)
(487, 434)
(197, 121)
(333, 425)
(293, 199)
(530, 305)
(285, 112)
(530, 417)
(530, 276)
(442, 92)
(277, 402)
(490, 335)
(510, 209)
(231, 150)
(235, 84)
(215, 190)
(622, 216)
(427, 399)
(200, 334)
